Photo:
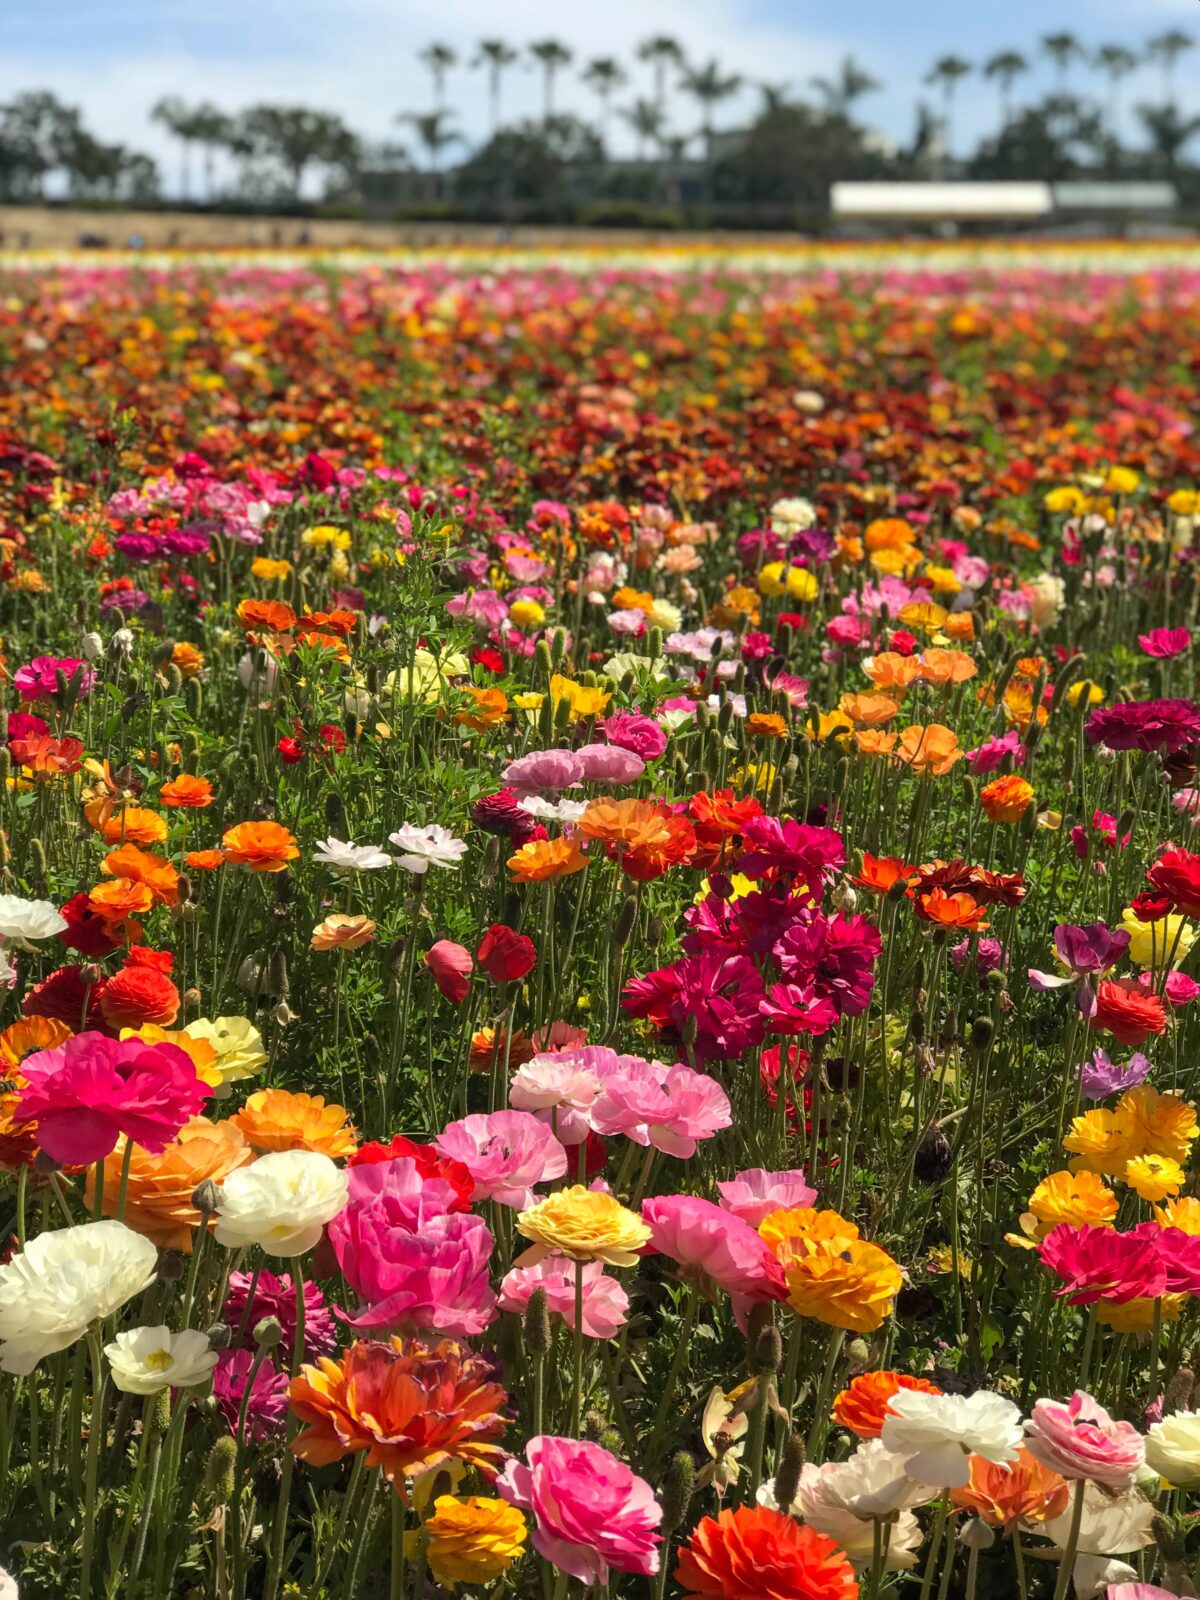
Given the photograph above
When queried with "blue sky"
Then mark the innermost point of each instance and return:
(114, 58)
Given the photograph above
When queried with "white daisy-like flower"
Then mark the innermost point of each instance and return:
(422, 848)
(339, 856)
(553, 811)
(148, 1360)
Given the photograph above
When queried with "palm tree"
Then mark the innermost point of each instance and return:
(434, 137)
(1166, 48)
(645, 117)
(708, 88)
(661, 51)
(605, 76)
(849, 84)
(211, 129)
(552, 56)
(1006, 68)
(946, 73)
(177, 119)
(1063, 49)
(774, 96)
(496, 56)
(1116, 62)
(1169, 133)
(439, 58)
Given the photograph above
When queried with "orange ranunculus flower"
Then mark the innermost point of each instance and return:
(888, 533)
(959, 625)
(340, 622)
(633, 600)
(798, 1229)
(1024, 1491)
(261, 846)
(1007, 798)
(410, 1405)
(486, 1042)
(490, 708)
(131, 824)
(874, 742)
(277, 1119)
(869, 710)
(187, 792)
(270, 615)
(878, 874)
(944, 667)
(959, 910)
(863, 1405)
(629, 822)
(118, 899)
(933, 748)
(756, 1553)
(18, 1140)
(27, 1034)
(342, 932)
(891, 671)
(850, 1284)
(188, 659)
(733, 605)
(204, 860)
(542, 859)
(159, 876)
(158, 1202)
(1183, 1212)
(1019, 708)
(766, 725)
(1079, 1198)
(673, 845)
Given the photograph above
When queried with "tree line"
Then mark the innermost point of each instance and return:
(788, 151)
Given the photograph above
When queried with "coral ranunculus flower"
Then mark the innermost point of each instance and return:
(409, 1405)
(277, 1119)
(755, 1553)
(931, 749)
(137, 995)
(1023, 1491)
(1006, 799)
(878, 874)
(159, 876)
(261, 846)
(1131, 1014)
(959, 910)
(158, 1200)
(863, 1404)
(187, 792)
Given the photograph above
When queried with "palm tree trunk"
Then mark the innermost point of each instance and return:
(494, 99)
(186, 171)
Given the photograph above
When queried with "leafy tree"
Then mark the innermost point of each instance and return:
(1169, 134)
(645, 117)
(531, 162)
(176, 117)
(553, 56)
(212, 130)
(605, 76)
(439, 58)
(497, 57)
(1166, 48)
(39, 135)
(1058, 139)
(1005, 67)
(791, 154)
(298, 139)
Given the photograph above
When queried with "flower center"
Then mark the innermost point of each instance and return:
(160, 1361)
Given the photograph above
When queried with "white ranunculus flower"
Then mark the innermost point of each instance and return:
(936, 1432)
(280, 1202)
(1173, 1449)
(257, 672)
(809, 401)
(552, 810)
(339, 856)
(422, 848)
(8, 1586)
(64, 1281)
(665, 615)
(25, 922)
(1112, 1525)
(148, 1360)
(1045, 594)
(843, 1499)
(92, 646)
(792, 516)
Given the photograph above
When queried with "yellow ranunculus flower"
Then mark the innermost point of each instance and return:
(1069, 499)
(771, 580)
(473, 1539)
(1157, 944)
(237, 1043)
(584, 1224)
(325, 537)
(1154, 1177)
(526, 615)
(801, 585)
(584, 702)
(1121, 480)
(265, 567)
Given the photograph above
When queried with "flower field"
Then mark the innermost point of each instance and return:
(599, 881)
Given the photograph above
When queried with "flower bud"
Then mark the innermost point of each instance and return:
(976, 1535)
(160, 1412)
(537, 1323)
(626, 919)
(983, 1031)
(204, 1198)
(768, 1351)
(219, 1335)
(267, 1333)
(934, 1157)
(170, 1267)
(218, 1470)
(787, 1479)
(677, 1490)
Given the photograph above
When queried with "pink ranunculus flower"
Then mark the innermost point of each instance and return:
(38, 679)
(709, 1243)
(86, 1092)
(417, 1265)
(992, 753)
(1079, 1439)
(753, 1194)
(506, 1153)
(609, 763)
(560, 1090)
(605, 1302)
(632, 731)
(670, 1108)
(591, 1512)
(1163, 643)
(543, 770)
(1139, 1591)
(450, 966)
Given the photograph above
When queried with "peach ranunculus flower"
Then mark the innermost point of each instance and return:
(869, 710)
(158, 1199)
(932, 748)
(544, 859)
(261, 846)
(187, 792)
(278, 1119)
(340, 931)
(131, 824)
(946, 667)
(1023, 1491)
(891, 671)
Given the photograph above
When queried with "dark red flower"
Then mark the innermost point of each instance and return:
(85, 931)
(505, 955)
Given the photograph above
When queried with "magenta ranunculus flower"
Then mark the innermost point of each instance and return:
(1166, 725)
(266, 1410)
(753, 1194)
(1087, 951)
(416, 1265)
(1079, 1439)
(605, 1302)
(86, 1092)
(1102, 1264)
(506, 1153)
(249, 1299)
(810, 854)
(38, 679)
(632, 731)
(591, 1512)
(609, 763)
(713, 1244)
(667, 1107)
(1163, 643)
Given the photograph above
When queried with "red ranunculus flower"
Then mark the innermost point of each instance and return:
(85, 931)
(505, 955)
(1176, 874)
(1127, 1012)
(451, 967)
(755, 1553)
(67, 995)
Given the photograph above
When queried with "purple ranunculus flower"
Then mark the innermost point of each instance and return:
(1087, 950)
(1100, 1076)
